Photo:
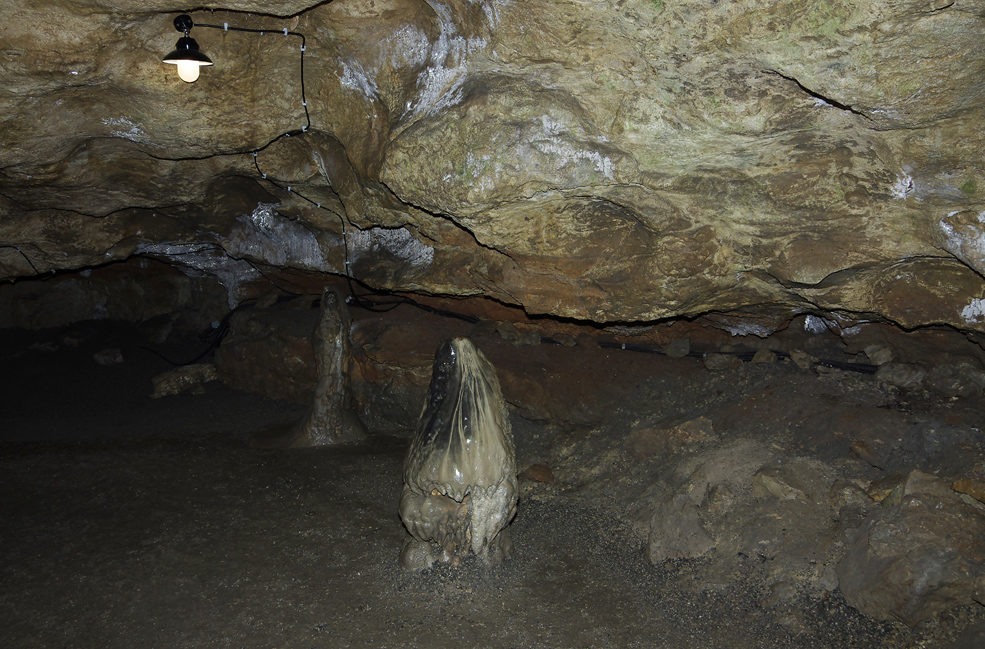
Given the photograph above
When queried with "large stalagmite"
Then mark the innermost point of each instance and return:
(460, 473)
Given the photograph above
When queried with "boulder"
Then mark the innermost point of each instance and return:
(649, 441)
(913, 560)
(676, 531)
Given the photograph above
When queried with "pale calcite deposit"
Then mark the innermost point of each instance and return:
(460, 488)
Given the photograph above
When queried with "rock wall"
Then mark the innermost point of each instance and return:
(140, 291)
(607, 161)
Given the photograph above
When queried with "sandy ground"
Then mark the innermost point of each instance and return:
(130, 522)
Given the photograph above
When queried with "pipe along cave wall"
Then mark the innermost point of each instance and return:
(726, 258)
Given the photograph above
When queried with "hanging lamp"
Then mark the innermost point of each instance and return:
(186, 55)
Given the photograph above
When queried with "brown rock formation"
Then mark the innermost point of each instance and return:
(624, 162)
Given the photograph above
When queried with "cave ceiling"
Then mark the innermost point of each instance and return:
(605, 161)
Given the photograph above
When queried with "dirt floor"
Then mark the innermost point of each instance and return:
(131, 522)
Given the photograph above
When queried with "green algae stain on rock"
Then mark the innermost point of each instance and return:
(970, 188)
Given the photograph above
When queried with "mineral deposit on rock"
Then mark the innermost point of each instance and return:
(460, 485)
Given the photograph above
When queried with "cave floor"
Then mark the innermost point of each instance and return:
(131, 522)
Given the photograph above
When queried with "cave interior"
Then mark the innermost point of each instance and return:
(727, 261)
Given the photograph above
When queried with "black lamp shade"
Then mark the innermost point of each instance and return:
(188, 58)
(186, 49)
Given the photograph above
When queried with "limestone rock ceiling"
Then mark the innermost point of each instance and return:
(609, 161)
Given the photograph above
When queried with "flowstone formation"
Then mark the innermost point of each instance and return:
(460, 487)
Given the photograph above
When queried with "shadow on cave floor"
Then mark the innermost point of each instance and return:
(131, 522)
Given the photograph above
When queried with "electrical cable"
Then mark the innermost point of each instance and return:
(358, 300)
(304, 102)
(354, 297)
(23, 254)
(272, 282)
(213, 336)
(307, 116)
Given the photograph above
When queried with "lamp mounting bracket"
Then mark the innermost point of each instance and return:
(183, 23)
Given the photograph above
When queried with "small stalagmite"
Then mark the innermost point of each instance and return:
(460, 473)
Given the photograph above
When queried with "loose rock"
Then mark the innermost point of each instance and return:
(959, 380)
(902, 375)
(791, 479)
(911, 561)
(802, 359)
(540, 473)
(180, 379)
(878, 355)
(676, 531)
(880, 489)
(111, 356)
(972, 487)
(644, 443)
(678, 348)
(719, 362)
(763, 355)
(510, 332)
(565, 340)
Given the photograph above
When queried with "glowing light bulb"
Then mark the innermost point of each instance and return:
(189, 70)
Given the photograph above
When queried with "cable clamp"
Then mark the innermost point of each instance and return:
(304, 129)
(624, 345)
(261, 32)
(225, 27)
(288, 188)
(254, 155)
(302, 48)
(264, 175)
(285, 31)
(318, 204)
(304, 103)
